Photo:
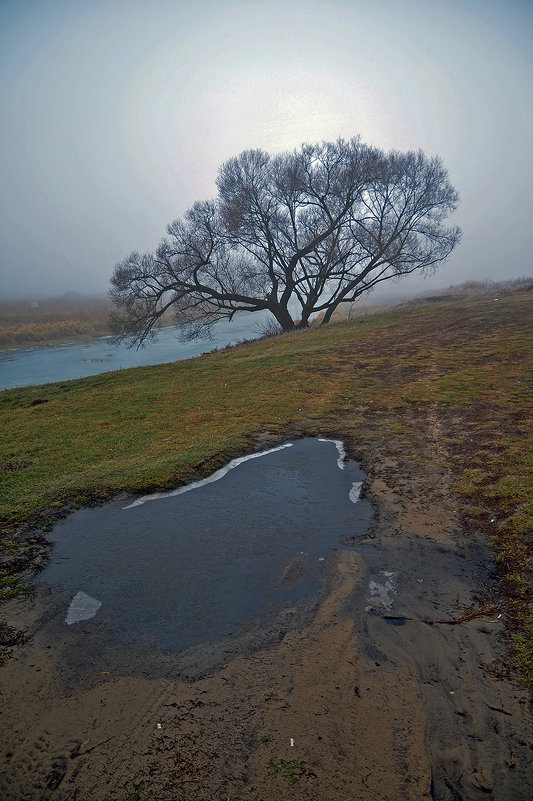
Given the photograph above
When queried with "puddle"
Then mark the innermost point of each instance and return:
(341, 460)
(180, 583)
(183, 568)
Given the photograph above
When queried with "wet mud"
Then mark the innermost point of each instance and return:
(382, 685)
(411, 617)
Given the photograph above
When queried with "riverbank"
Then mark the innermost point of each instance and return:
(435, 403)
(42, 366)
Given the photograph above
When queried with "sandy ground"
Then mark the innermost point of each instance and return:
(342, 700)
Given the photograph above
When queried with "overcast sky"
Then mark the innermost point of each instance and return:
(116, 116)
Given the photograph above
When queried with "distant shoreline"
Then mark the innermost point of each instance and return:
(58, 321)
(49, 343)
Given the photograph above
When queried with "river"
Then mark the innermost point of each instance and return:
(44, 365)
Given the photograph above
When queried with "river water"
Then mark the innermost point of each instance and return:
(44, 365)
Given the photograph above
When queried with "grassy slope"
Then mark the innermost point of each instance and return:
(469, 362)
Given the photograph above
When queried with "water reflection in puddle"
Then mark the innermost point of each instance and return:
(194, 566)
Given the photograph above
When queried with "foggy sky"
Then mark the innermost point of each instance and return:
(116, 116)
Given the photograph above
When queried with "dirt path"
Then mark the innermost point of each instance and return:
(366, 697)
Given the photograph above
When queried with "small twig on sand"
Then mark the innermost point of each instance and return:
(88, 750)
(487, 610)
(498, 709)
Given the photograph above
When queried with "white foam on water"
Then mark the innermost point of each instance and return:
(155, 496)
(82, 607)
(340, 448)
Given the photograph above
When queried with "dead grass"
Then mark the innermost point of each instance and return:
(25, 323)
(64, 319)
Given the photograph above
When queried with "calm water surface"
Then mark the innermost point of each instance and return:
(192, 568)
(44, 365)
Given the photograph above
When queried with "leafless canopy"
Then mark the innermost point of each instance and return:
(293, 234)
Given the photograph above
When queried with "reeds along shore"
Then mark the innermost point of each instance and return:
(43, 322)
(41, 333)
(38, 322)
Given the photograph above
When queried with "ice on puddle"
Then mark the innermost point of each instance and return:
(155, 496)
(355, 492)
(82, 607)
(340, 448)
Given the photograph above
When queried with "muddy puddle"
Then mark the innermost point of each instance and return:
(195, 565)
(181, 645)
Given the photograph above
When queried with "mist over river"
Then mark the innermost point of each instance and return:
(44, 365)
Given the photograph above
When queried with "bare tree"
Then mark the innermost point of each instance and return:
(294, 234)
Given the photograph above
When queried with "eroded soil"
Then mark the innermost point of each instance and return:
(368, 695)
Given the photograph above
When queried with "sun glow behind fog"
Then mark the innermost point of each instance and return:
(274, 91)
(118, 115)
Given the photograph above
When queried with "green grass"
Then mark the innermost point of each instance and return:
(366, 380)
(290, 770)
(10, 586)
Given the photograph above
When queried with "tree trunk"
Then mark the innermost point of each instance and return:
(284, 318)
(327, 315)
